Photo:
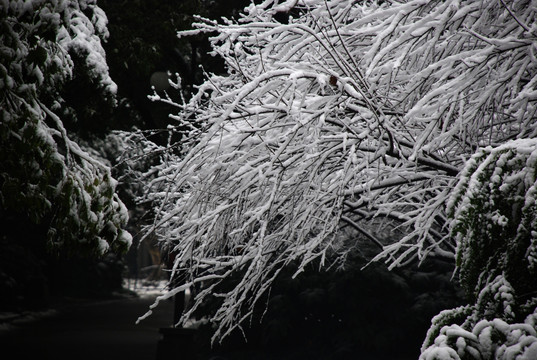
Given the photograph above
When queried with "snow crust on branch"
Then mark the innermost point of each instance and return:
(344, 110)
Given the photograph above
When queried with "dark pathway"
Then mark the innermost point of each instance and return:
(90, 330)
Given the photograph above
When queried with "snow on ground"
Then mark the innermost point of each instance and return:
(145, 288)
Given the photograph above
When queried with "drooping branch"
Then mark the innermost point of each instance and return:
(348, 108)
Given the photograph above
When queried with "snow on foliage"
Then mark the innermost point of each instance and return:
(494, 212)
(334, 112)
(484, 339)
(43, 172)
(494, 339)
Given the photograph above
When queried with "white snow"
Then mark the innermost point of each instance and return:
(284, 154)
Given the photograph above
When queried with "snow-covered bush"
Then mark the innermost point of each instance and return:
(488, 339)
(334, 113)
(44, 173)
(494, 211)
(495, 217)
(469, 332)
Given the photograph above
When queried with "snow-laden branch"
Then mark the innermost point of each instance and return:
(346, 108)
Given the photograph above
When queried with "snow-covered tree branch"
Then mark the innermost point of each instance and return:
(334, 112)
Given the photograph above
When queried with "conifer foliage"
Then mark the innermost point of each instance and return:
(334, 112)
(494, 212)
(44, 173)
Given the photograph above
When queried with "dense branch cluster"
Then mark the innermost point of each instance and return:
(336, 112)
